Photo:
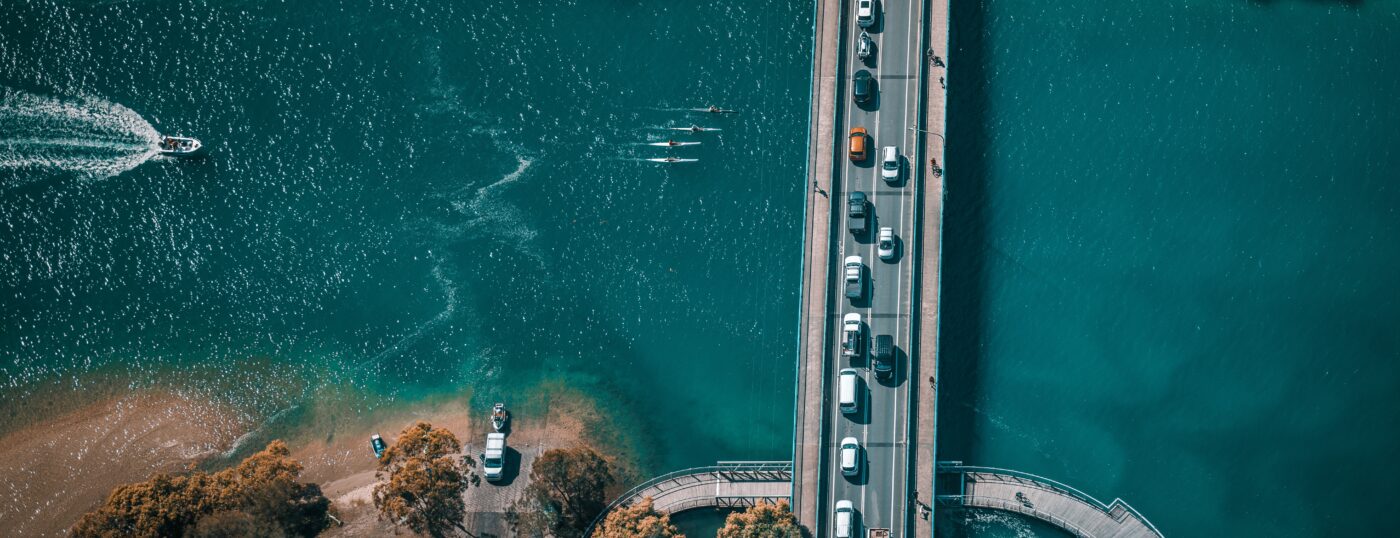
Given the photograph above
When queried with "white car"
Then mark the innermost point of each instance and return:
(850, 335)
(845, 519)
(889, 165)
(850, 456)
(865, 13)
(886, 245)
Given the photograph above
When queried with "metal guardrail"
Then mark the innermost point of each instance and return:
(724, 471)
(1117, 506)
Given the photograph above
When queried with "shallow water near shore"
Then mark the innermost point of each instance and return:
(405, 200)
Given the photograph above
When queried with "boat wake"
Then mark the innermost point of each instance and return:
(45, 137)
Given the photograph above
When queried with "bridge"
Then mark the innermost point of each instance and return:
(726, 484)
(895, 423)
(1047, 500)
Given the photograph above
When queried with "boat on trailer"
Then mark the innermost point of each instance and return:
(499, 416)
(180, 146)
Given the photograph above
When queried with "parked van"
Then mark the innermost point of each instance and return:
(849, 390)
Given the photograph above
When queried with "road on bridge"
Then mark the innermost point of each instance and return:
(881, 493)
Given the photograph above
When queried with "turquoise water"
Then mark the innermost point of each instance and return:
(1171, 231)
(1172, 245)
(409, 199)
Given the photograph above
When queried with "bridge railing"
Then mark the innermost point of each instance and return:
(1040, 481)
(735, 471)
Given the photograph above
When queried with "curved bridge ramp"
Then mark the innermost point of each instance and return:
(725, 484)
(1046, 500)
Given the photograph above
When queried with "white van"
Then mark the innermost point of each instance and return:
(849, 390)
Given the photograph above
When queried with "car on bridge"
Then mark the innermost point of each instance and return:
(859, 137)
(851, 335)
(883, 356)
(850, 456)
(886, 244)
(855, 277)
(863, 90)
(848, 390)
(856, 214)
(865, 13)
(845, 520)
(889, 167)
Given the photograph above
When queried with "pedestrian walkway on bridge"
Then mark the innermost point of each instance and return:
(1046, 500)
(726, 484)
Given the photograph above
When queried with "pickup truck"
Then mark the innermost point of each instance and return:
(850, 335)
(855, 277)
(856, 205)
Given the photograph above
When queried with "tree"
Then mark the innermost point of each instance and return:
(233, 524)
(762, 520)
(637, 521)
(263, 488)
(422, 479)
(565, 494)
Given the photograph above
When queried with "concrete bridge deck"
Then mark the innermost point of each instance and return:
(1046, 500)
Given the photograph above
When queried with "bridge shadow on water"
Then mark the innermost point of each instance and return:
(963, 281)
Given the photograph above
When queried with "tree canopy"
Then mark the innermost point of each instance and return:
(762, 520)
(422, 479)
(637, 521)
(262, 491)
(566, 492)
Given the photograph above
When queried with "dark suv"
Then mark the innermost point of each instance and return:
(884, 356)
(863, 87)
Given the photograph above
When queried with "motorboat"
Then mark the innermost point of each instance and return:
(673, 144)
(499, 416)
(716, 110)
(864, 46)
(377, 444)
(671, 160)
(180, 146)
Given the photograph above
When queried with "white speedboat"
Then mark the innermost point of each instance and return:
(673, 144)
(671, 160)
(499, 416)
(180, 146)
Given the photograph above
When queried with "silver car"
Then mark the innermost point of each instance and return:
(886, 245)
(845, 519)
(865, 13)
(850, 456)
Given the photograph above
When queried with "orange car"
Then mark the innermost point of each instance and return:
(858, 140)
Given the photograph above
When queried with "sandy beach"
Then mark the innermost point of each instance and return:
(58, 469)
(54, 471)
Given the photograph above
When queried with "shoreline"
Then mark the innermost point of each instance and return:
(59, 468)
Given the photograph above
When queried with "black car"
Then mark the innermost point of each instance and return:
(884, 356)
(856, 205)
(863, 87)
